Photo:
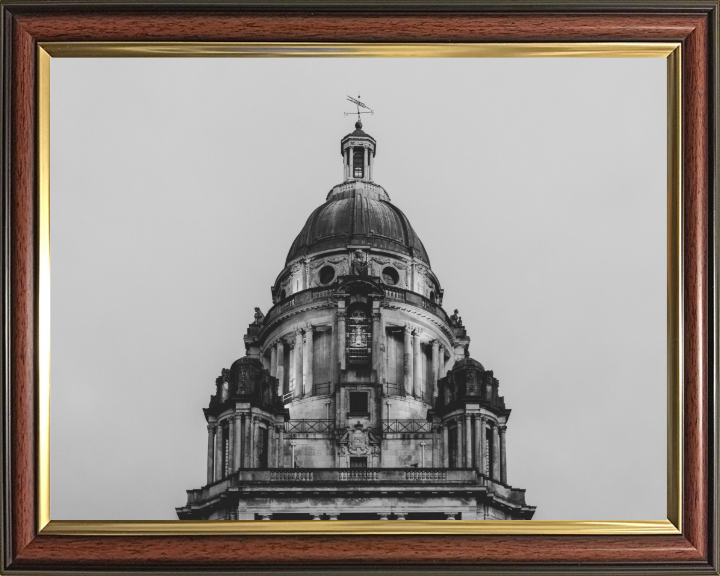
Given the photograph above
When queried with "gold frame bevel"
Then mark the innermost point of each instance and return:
(669, 50)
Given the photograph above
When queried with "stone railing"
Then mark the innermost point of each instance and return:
(390, 476)
(395, 294)
(286, 306)
(322, 293)
(392, 292)
(426, 475)
(359, 475)
(309, 426)
(291, 476)
(406, 426)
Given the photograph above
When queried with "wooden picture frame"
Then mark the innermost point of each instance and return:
(687, 542)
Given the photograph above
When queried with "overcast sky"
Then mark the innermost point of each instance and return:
(538, 187)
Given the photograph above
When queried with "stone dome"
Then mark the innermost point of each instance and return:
(358, 214)
(466, 363)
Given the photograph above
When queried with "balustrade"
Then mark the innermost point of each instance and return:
(309, 426)
(407, 426)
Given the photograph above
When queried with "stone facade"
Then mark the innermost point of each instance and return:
(357, 398)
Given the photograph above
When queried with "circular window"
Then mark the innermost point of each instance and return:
(390, 276)
(327, 274)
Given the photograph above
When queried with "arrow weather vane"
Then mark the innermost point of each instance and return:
(359, 105)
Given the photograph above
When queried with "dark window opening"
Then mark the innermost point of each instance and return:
(356, 462)
(452, 447)
(358, 163)
(327, 274)
(432, 295)
(390, 276)
(359, 403)
(358, 338)
(282, 294)
(262, 448)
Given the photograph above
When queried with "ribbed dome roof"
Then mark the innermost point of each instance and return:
(356, 216)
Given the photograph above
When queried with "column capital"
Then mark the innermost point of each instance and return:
(298, 330)
(435, 343)
(502, 429)
(341, 314)
(309, 328)
(407, 328)
(417, 332)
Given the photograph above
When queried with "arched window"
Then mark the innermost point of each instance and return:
(359, 162)
(358, 338)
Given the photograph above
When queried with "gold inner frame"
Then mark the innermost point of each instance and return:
(669, 50)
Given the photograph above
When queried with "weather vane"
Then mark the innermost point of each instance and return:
(359, 105)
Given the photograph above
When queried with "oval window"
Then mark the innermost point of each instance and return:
(390, 276)
(327, 274)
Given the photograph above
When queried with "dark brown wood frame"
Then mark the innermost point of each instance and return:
(24, 24)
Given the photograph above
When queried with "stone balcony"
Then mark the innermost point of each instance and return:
(391, 293)
(365, 479)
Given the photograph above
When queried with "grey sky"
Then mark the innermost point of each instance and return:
(536, 185)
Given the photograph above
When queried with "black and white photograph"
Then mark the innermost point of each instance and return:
(358, 289)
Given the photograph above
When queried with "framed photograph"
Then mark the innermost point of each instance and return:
(308, 259)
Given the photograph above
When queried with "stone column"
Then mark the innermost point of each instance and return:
(407, 361)
(341, 335)
(253, 433)
(280, 366)
(247, 445)
(417, 365)
(211, 454)
(496, 453)
(281, 446)
(371, 162)
(231, 445)
(307, 361)
(435, 448)
(483, 465)
(366, 168)
(478, 443)
(435, 354)
(503, 462)
(237, 459)
(297, 392)
(445, 448)
(468, 442)
(376, 340)
(273, 360)
(347, 164)
(218, 452)
(441, 362)
(459, 450)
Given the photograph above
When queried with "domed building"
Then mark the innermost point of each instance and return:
(357, 398)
